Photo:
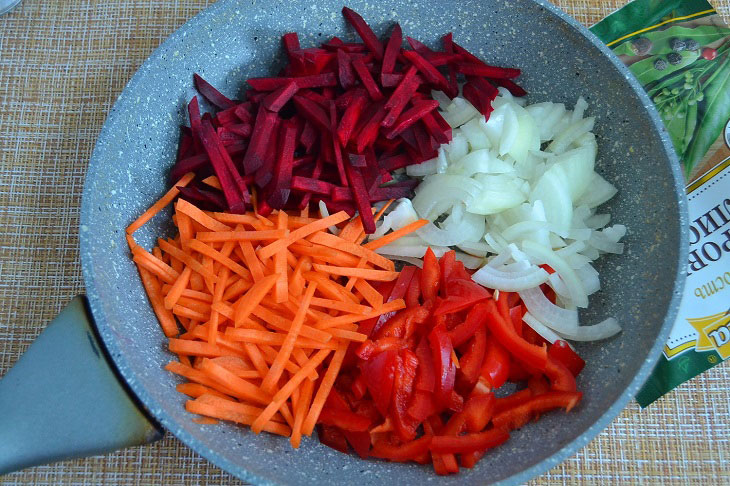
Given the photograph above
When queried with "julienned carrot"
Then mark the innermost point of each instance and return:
(391, 237)
(259, 316)
(213, 181)
(366, 273)
(160, 204)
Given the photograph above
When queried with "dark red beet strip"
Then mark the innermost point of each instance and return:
(364, 31)
(211, 94)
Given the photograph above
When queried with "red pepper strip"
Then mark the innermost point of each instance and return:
(475, 319)
(505, 333)
(398, 291)
(426, 376)
(447, 461)
(360, 442)
(478, 411)
(369, 348)
(517, 371)
(447, 262)
(516, 313)
(401, 452)
(538, 385)
(516, 417)
(359, 387)
(511, 401)
(461, 294)
(413, 294)
(436, 460)
(421, 406)
(441, 349)
(404, 323)
(332, 437)
(503, 305)
(562, 352)
(405, 374)
(379, 373)
(496, 365)
(336, 401)
(470, 459)
(459, 272)
(344, 420)
(561, 379)
(430, 274)
(470, 442)
(470, 363)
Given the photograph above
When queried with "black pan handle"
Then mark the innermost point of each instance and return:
(63, 398)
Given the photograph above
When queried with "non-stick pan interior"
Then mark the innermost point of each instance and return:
(234, 40)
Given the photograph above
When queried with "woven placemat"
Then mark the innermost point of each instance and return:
(62, 65)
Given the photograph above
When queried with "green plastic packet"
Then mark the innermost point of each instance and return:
(679, 50)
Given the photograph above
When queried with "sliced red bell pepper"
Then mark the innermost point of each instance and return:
(441, 349)
(401, 452)
(470, 363)
(421, 406)
(511, 401)
(470, 459)
(413, 294)
(470, 442)
(379, 374)
(461, 294)
(404, 323)
(475, 319)
(332, 437)
(563, 353)
(344, 419)
(516, 313)
(561, 379)
(369, 348)
(426, 376)
(359, 387)
(478, 411)
(405, 375)
(496, 365)
(430, 275)
(505, 333)
(517, 371)
(446, 264)
(516, 417)
(442, 463)
(360, 442)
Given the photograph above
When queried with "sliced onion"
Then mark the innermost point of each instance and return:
(604, 329)
(475, 248)
(444, 189)
(601, 242)
(554, 317)
(469, 261)
(428, 167)
(412, 260)
(325, 213)
(546, 255)
(509, 281)
(540, 328)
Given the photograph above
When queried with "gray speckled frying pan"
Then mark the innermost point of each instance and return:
(235, 39)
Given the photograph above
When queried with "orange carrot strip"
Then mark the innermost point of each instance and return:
(348, 307)
(204, 249)
(296, 285)
(197, 376)
(188, 260)
(154, 264)
(160, 204)
(212, 181)
(190, 294)
(240, 418)
(348, 335)
(199, 216)
(243, 389)
(215, 236)
(330, 289)
(281, 288)
(338, 243)
(262, 368)
(185, 228)
(283, 324)
(391, 306)
(196, 305)
(206, 421)
(252, 261)
(282, 395)
(352, 280)
(230, 218)
(215, 315)
(391, 237)
(235, 290)
(253, 297)
(254, 336)
(300, 412)
(131, 243)
(177, 288)
(324, 389)
(165, 316)
(193, 348)
(286, 348)
(299, 221)
(366, 273)
(352, 229)
(179, 310)
(196, 389)
(374, 298)
(300, 233)
(325, 254)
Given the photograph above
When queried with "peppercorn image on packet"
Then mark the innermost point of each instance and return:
(680, 52)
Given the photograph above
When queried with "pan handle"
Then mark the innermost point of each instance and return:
(63, 398)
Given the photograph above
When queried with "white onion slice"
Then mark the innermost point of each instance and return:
(469, 261)
(507, 281)
(554, 317)
(540, 328)
(441, 190)
(604, 329)
(475, 248)
(546, 255)
(412, 260)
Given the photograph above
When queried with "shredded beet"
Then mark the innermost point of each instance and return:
(333, 125)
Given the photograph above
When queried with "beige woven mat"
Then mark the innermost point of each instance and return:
(62, 64)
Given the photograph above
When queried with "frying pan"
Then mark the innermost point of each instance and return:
(94, 380)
